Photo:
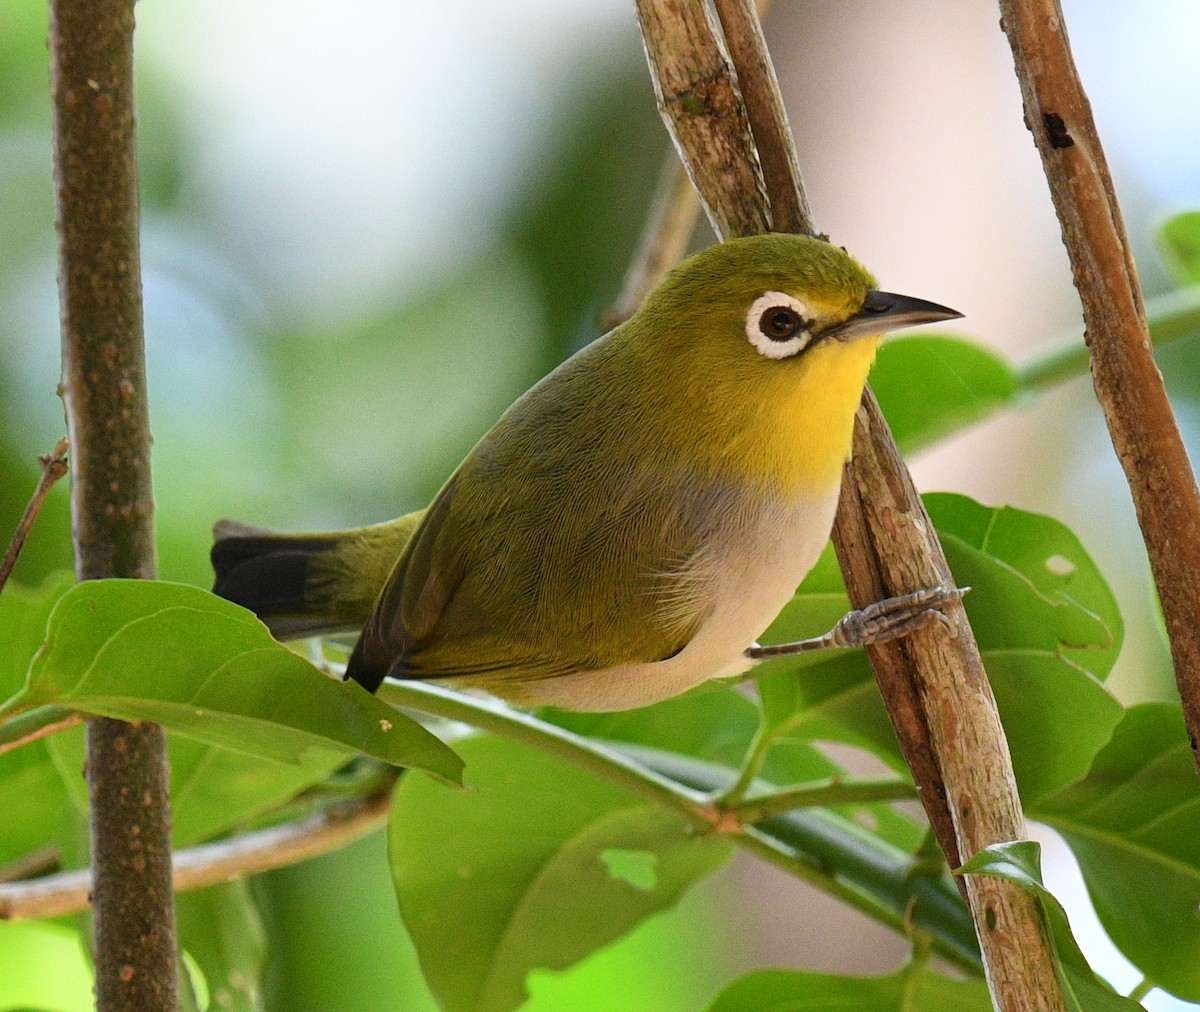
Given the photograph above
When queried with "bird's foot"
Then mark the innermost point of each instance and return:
(880, 622)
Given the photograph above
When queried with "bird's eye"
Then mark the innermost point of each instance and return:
(779, 322)
(778, 325)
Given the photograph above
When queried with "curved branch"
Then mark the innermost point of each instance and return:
(211, 863)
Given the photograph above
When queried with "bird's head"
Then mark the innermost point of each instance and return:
(776, 333)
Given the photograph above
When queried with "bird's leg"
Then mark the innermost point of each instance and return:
(877, 623)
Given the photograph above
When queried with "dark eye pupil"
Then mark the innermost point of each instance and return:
(780, 323)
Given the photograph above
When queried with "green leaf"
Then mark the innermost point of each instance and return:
(219, 928)
(714, 722)
(43, 966)
(929, 387)
(24, 613)
(1133, 823)
(177, 655)
(213, 790)
(1179, 240)
(913, 989)
(512, 875)
(29, 782)
(1020, 862)
(1048, 630)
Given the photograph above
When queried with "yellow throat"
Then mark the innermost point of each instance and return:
(801, 421)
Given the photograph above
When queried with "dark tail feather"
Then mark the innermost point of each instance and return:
(269, 574)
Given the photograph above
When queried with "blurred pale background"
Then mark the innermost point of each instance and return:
(368, 226)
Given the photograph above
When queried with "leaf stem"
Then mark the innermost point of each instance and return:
(756, 755)
(843, 859)
(54, 466)
(1170, 316)
(583, 753)
(822, 795)
(1143, 988)
(869, 876)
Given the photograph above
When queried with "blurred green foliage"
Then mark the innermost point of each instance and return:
(272, 411)
(268, 407)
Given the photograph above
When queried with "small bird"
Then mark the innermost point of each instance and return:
(633, 522)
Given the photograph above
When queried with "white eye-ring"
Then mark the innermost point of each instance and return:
(778, 325)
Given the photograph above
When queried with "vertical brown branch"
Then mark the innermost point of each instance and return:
(768, 123)
(104, 389)
(934, 682)
(1128, 384)
(694, 84)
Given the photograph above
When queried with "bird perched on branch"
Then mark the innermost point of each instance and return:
(634, 521)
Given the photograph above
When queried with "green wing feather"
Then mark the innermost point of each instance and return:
(543, 554)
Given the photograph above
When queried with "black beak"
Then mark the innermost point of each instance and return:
(883, 312)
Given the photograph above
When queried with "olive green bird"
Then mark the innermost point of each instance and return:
(632, 523)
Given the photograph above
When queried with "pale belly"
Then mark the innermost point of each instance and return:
(754, 576)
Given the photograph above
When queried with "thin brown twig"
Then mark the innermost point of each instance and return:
(898, 552)
(668, 229)
(36, 862)
(211, 863)
(54, 466)
(1128, 384)
(38, 728)
(675, 208)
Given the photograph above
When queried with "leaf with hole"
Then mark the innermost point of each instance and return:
(536, 866)
(1133, 824)
(1048, 629)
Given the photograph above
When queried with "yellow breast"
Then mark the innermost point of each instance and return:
(801, 420)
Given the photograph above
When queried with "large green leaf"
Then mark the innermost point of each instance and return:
(913, 989)
(714, 722)
(1048, 629)
(177, 655)
(929, 386)
(29, 782)
(214, 790)
(1134, 824)
(1179, 240)
(220, 929)
(536, 866)
(43, 967)
(24, 613)
(1020, 862)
